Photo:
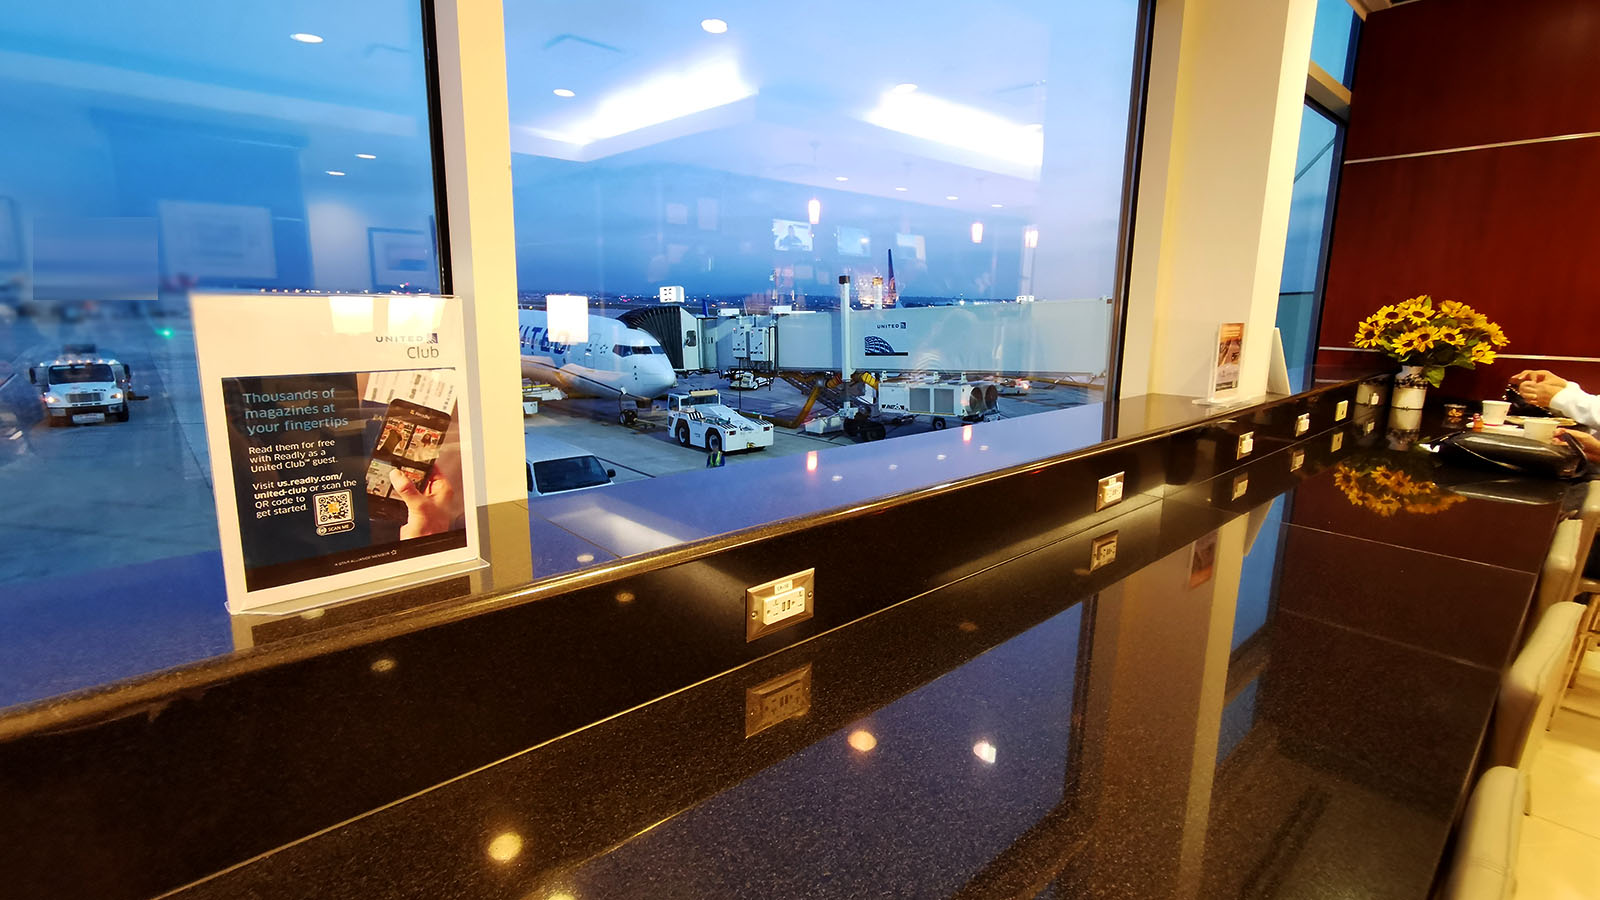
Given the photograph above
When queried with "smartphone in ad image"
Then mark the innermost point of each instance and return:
(409, 442)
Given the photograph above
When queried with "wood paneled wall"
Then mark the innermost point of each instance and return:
(1513, 230)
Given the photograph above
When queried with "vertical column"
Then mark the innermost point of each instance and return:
(475, 124)
(1227, 84)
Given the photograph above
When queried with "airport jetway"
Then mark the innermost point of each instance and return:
(1060, 338)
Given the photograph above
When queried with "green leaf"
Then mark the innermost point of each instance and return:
(1435, 375)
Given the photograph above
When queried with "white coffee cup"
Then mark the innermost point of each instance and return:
(1494, 412)
(1539, 429)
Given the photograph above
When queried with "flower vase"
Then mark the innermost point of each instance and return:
(1410, 388)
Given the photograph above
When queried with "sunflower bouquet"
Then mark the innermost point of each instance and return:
(1390, 483)
(1418, 332)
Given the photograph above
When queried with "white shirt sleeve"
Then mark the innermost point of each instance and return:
(1573, 403)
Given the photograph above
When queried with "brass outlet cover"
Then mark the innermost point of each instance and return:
(779, 603)
(1103, 551)
(1302, 424)
(777, 700)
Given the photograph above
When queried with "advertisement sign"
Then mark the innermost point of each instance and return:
(1229, 351)
(340, 440)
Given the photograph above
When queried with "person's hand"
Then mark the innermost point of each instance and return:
(1534, 375)
(428, 512)
(1588, 443)
(1540, 387)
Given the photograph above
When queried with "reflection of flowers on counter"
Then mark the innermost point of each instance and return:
(1390, 483)
(1434, 337)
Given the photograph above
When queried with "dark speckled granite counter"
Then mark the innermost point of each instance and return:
(1257, 693)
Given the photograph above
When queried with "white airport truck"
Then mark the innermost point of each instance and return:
(968, 401)
(698, 419)
(78, 388)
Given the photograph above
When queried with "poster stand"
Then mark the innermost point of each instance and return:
(341, 438)
(1227, 352)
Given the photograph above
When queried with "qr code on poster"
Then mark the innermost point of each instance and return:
(335, 512)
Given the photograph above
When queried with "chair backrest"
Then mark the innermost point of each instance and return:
(1532, 686)
(1563, 565)
(1484, 866)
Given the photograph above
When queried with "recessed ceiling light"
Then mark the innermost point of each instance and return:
(335, 172)
(306, 38)
(951, 197)
(904, 88)
(998, 205)
(841, 178)
(714, 26)
(902, 189)
(366, 156)
(563, 92)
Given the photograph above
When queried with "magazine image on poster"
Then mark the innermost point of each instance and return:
(336, 472)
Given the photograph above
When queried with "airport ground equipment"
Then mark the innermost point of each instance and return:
(79, 387)
(699, 419)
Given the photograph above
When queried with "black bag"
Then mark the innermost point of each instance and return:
(1513, 453)
(1521, 407)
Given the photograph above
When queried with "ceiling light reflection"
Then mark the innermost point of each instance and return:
(366, 156)
(714, 26)
(564, 92)
(336, 173)
(862, 741)
(841, 178)
(958, 125)
(902, 189)
(903, 88)
(306, 38)
(1030, 237)
(811, 460)
(505, 847)
(984, 751)
(662, 98)
(977, 232)
(814, 211)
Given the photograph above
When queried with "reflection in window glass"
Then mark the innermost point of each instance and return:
(154, 148)
(1320, 148)
(1333, 40)
(858, 221)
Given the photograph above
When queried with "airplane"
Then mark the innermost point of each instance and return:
(616, 361)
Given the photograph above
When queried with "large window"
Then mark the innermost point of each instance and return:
(852, 221)
(1317, 159)
(151, 149)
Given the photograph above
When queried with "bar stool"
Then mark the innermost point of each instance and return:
(1563, 565)
(1485, 863)
(1531, 688)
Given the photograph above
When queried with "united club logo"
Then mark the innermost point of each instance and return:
(877, 346)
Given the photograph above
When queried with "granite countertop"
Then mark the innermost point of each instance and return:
(1256, 686)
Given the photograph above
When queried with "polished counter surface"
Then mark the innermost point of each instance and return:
(1272, 682)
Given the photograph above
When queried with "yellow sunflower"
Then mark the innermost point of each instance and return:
(1418, 314)
(1385, 506)
(1416, 341)
(1451, 335)
(1367, 334)
(1482, 355)
(1344, 479)
(1496, 335)
(1456, 310)
(1388, 315)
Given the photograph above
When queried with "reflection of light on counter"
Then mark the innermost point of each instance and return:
(625, 597)
(811, 460)
(712, 26)
(966, 434)
(862, 741)
(968, 627)
(562, 895)
(838, 478)
(505, 847)
(383, 664)
(941, 456)
(585, 557)
(983, 446)
(814, 211)
(984, 751)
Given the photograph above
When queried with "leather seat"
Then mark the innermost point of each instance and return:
(1485, 862)
(1531, 688)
